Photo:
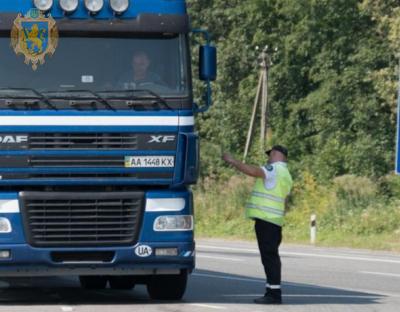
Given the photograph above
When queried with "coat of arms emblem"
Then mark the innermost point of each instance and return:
(34, 35)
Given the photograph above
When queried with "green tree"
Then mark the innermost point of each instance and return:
(332, 84)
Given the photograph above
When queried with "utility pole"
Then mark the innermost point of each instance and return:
(262, 99)
(397, 165)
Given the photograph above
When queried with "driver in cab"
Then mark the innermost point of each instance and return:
(140, 76)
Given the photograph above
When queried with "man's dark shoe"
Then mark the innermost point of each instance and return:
(269, 299)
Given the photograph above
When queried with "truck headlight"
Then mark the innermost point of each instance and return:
(5, 225)
(5, 254)
(94, 6)
(43, 5)
(173, 223)
(119, 6)
(69, 5)
(165, 204)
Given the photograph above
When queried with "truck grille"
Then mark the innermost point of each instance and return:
(89, 176)
(67, 219)
(76, 161)
(90, 141)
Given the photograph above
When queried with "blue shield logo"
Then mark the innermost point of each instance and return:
(35, 36)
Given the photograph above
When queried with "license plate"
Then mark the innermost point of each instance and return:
(149, 161)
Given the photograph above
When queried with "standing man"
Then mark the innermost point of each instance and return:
(267, 208)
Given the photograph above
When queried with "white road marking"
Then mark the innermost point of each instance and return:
(228, 248)
(219, 258)
(208, 306)
(253, 280)
(335, 296)
(67, 309)
(360, 290)
(380, 273)
(310, 295)
(314, 255)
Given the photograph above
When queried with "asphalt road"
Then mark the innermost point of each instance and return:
(228, 276)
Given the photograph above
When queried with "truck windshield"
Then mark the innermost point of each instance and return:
(158, 64)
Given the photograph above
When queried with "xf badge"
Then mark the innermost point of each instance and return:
(162, 139)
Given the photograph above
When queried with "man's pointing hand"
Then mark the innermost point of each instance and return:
(249, 170)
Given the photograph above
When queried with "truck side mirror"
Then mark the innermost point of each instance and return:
(207, 69)
(208, 63)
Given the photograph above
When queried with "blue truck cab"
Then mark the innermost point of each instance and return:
(98, 146)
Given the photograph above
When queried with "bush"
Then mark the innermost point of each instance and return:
(219, 207)
(390, 185)
(355, 191)
(307, 198)
(352, 211)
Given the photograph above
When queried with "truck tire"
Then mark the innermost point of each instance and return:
(93, 282)
(122, 282)
(167, 287)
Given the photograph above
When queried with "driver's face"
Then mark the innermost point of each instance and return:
(140, 63)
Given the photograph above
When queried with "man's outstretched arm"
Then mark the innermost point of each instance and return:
(249, 170)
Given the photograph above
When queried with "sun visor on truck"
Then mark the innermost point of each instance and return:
(144, 23)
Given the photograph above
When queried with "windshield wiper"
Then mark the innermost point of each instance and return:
(131, 100)
(94, 96)
(26, 100)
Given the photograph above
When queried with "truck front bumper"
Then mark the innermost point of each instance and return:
(25, 260)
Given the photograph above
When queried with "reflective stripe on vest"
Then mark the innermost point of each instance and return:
(268, 196)
(268, 209)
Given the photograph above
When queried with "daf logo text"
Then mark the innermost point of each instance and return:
(13, 139)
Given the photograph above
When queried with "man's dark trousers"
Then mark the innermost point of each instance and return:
(269, 237)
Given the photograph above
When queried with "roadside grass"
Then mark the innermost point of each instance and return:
(351, 212)
(219, 209)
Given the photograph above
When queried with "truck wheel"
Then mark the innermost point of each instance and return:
(93, 282)
(167, 287)
(122, 282)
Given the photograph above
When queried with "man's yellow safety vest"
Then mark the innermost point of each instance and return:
(268, 204)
